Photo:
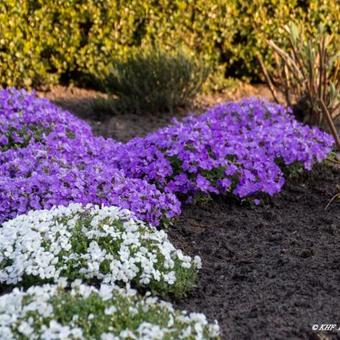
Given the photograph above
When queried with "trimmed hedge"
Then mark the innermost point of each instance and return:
(42, 41)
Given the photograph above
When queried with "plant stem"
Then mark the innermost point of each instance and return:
(269, 82)
(330, 124)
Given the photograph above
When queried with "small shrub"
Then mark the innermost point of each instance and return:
(155, 81)
(103, 107)
(50, 312)
(95, 244)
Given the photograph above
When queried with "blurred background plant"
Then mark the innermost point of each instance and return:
(155, 81)
(307, 75)
(46, 42)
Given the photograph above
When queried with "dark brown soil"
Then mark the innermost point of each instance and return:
(93, 107)
(269, 272)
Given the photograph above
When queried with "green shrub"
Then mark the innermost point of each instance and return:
(45, 41)
(155, 81)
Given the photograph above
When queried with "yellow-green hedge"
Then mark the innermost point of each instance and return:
(44, 40)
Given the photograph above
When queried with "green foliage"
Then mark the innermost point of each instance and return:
(44, 41)
(260, 20)
(294, 170)
(129, 313)
(155, 81)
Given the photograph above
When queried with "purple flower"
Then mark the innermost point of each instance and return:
(203, 183)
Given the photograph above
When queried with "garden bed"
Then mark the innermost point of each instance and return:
(270, 265)
(270, 271)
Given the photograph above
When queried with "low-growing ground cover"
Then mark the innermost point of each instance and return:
(46, 162)
(26, 118)
(97, 245)
(240, 148)
(269, 270)
(233, 148)
(50, 312)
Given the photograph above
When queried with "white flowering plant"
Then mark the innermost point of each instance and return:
(84, 312)
(96, 244)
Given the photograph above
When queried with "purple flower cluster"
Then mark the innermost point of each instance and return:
(233, 147)
(49, 157)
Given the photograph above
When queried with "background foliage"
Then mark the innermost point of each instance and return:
(43, 42)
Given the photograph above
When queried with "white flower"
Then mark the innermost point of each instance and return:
(106, 292)
(55, 331)
(110, 246)
(110, 310)
(170, 277)
(126, 333)
(149, 331)
(108, 336)
(25, 329)
(198, 262)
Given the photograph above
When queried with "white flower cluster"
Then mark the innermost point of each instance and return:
(89, 242)
(32, 315)
(66, 245)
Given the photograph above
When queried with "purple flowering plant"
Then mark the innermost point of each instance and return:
(64, 163)
(239, 148)
(24, 117)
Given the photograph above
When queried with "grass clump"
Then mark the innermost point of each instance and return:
(155, 81)
(307, 74)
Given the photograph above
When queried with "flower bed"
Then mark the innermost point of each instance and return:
(51, 158)
(94, 244)
(233, 147)
(50, 312)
